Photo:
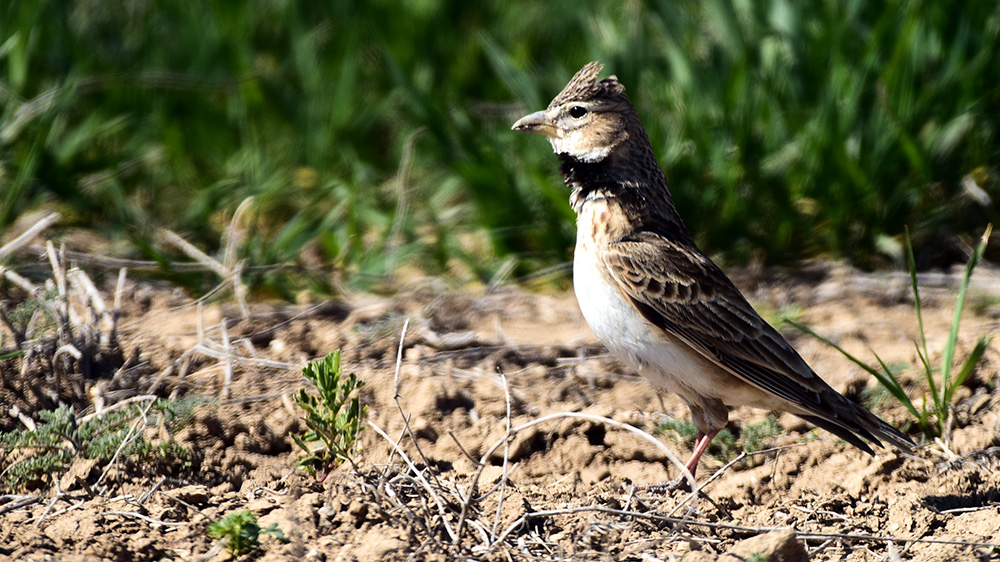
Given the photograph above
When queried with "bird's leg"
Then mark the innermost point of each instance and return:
(681, 482)
(700, 446)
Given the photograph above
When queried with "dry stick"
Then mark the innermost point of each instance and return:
(116, 313)
(402, 201)
(107, 262)
(23, 501)
(600, 419)
(718, 473)
(60, 276)
(22, 282)
(27, 235)
(145, 518)
(145, 496)
(116, 406)
(506, 455)
(227, 378)
(48, 508)
(392, 453)
(97, 302)
(208, 348)
(406, 424)
(420, 478)
(590, 417)
(759, 530)
(192, 251)
(230, 242)
(129, 437)
(229, 276)
(399, 406)
(22, 336)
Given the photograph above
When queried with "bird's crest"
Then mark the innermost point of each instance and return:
(584, 86)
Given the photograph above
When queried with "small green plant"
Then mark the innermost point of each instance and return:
(51, 448)
(933, 420)
(684, 431)
(243, 532)
(755, 436)
(333, 428)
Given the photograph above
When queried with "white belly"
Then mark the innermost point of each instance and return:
(662, 358)
(627, 334)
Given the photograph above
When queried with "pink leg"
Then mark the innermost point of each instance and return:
(700, 446)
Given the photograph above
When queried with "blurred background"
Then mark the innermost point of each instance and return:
(374, 136)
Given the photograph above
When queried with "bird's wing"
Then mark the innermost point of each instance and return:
(681, 291)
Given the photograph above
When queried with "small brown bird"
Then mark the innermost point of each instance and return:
(654, 299)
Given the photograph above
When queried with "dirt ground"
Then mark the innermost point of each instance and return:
(476, 363)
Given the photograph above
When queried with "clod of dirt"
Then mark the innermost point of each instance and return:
(776, 546)
(195, 494)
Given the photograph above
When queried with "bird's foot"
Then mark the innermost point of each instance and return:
(679, 484)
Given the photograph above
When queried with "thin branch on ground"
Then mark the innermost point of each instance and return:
(26, 236)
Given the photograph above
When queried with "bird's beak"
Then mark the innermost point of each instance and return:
(536, 123)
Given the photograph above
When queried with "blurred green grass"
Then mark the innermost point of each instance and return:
(375, 135)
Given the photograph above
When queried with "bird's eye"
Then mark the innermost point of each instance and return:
(577, 111)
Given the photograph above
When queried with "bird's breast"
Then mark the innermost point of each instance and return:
(661, 357)
(612, 316)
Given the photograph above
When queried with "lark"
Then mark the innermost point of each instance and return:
(654, 299)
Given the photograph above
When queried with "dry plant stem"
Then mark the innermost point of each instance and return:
(106, 262)
(442, 511)
(145, 496)
(129, 437)
(608, 421)
(228, 275)
(806, 535)
(27, 235)
(231, 240)
(193, 252)
(145, 518)
(227, 370)
(406, 424)
(48, 509)
(402, 201)
(28, 287)
(105, 334)
(119, 290)
(232, 237)
(19, 502)
(209, 348)
(116, 406)
(399, 406)
(506, 457)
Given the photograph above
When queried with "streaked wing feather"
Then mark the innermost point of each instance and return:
(666, 282)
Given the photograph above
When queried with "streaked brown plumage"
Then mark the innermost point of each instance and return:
(655, 300)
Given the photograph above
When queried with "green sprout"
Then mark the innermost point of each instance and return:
(333, 428)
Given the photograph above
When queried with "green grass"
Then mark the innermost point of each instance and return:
(942, 382)
(376, 134)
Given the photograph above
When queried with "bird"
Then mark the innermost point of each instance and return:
(654, 299)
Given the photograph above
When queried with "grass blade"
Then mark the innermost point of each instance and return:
(896, 389)
(948, 355)
(929, 376)
(970, 364)
(911, 262)
(886, 380)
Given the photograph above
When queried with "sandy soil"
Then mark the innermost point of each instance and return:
(475, 364)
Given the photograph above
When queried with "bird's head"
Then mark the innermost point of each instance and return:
(588, 121)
